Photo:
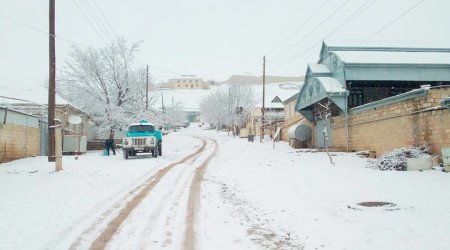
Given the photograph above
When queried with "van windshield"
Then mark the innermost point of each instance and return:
(141, 128)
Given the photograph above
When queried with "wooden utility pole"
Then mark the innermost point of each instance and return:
(51, 84)
(146, 91)
(263, 99)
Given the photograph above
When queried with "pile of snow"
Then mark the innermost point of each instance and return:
(396, 160)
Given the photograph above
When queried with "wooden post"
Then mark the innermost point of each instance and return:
(51, 83)
(58, 148)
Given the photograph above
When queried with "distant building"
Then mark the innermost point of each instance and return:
(188, 82)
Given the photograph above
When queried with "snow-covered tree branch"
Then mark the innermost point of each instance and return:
(105, 83)
(324, 114)
(228, 106)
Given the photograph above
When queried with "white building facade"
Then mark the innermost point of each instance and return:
(188, 82)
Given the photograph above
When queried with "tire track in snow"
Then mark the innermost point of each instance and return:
(194, 201)
(115, 200)
(105, 237)
(166, 203)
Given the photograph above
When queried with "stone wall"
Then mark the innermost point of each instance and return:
(18, 141)
(415, 121)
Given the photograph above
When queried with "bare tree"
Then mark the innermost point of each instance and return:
(214, 108)
(324, 113)
(228, 106)
(104, 83)
(241, 98)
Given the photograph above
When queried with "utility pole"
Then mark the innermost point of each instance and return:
(146, 91)
(51, 83)
(263, 99)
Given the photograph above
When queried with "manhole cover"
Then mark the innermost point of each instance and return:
(376, 204)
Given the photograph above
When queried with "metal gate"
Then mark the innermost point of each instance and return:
(321, 140)
(43, 125)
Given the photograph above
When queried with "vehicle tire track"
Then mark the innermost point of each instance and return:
(194, 202)
(165, 206)
(107, 234)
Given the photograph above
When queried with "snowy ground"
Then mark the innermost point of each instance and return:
(252, 197)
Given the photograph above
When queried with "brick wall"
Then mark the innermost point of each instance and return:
(18, 142)
(401, 124)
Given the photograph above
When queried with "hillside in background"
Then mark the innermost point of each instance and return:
(190, 99)
(246, 79)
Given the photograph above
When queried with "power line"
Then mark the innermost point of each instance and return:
(392, 22)
(96, 19)
(104, 17)
(355, 14)
(314, 29)
(314, 13)
(40, 31)
(365, 40)
(89, 22)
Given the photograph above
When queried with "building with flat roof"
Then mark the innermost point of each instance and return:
(188, 82)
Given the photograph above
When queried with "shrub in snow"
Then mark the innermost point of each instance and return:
(396, 160)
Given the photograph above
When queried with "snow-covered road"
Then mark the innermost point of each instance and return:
(238, 195)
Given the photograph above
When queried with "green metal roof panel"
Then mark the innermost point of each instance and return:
(319, 88)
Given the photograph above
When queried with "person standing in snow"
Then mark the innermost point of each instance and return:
(107, 146)
(112, 143)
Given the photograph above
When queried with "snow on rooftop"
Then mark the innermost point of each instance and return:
(33, 96)
(387, 43)
(394, 57)
(331, 85)
(282, 90)
(318, 68)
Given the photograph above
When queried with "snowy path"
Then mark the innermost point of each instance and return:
(232, 195)
(156, 214)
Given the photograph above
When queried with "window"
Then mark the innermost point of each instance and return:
(356, 98)
(141, 128)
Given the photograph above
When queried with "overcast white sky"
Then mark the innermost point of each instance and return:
(210, 38)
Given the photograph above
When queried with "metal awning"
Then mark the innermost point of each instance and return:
(318, 88)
